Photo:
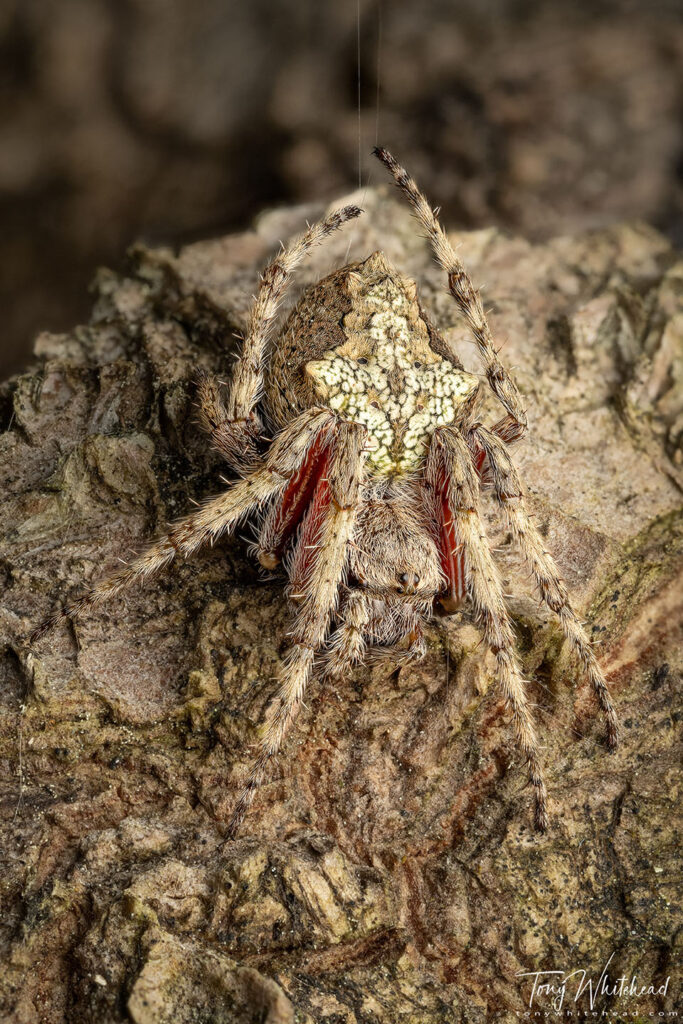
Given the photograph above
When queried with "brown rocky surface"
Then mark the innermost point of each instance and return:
(388, 871)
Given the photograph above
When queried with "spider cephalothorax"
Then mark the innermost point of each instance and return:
(368, 492)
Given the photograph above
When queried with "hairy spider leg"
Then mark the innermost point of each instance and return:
(285, 515)
(326, 532)
(360, 634)
(451, 551)
(461, 288)
(237, 440)
(235, 427)
(450, 544)
(507, 488)
(347, 644)
(508, 430)
(304, 554)
(215, 518)
(449, 466)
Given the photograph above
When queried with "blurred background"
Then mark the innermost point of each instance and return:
(170, 120)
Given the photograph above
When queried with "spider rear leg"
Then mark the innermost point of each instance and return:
(449, 465)
(247, 379)
(326, 530)
(462, 290)
(215, 518)
(235, 426)
(348, 642)
(508, 490)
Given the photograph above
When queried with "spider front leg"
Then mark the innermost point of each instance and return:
(394, 633)
(235, 427)
(462, 290)
(215, 518)
(285, 515)
(508, 490)
(450, 547)
(453, 481)
(317, 571)
(348, 644)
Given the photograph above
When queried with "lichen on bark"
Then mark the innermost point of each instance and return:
(388, 871)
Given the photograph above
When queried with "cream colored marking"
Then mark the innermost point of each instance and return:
(431, 392)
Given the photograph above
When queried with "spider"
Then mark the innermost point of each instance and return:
(368, 492)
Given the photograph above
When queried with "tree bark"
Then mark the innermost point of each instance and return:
(388, 871)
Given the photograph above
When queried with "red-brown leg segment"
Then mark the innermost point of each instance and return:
(451, 551)
(308, 543)
(285, 516)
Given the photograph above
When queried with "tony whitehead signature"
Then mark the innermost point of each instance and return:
(561, 985)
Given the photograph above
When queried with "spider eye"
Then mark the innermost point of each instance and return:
(417, 364)
(362, 360)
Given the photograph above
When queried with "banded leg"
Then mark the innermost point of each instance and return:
(462, 290)
(508, 490)
(508, 430)
(326, 531)
(213, 519)
(450, 461)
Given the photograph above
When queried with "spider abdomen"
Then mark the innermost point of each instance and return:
(375, 365)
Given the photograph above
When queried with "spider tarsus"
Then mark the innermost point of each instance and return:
(612, 732)
(47, 626)
(40, 631)
(541, 820)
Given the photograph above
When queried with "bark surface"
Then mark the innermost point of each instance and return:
(388, 872)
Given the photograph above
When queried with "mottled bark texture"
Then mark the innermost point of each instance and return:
(388, 871)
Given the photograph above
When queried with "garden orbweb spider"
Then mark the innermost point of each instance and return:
(368, 492)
